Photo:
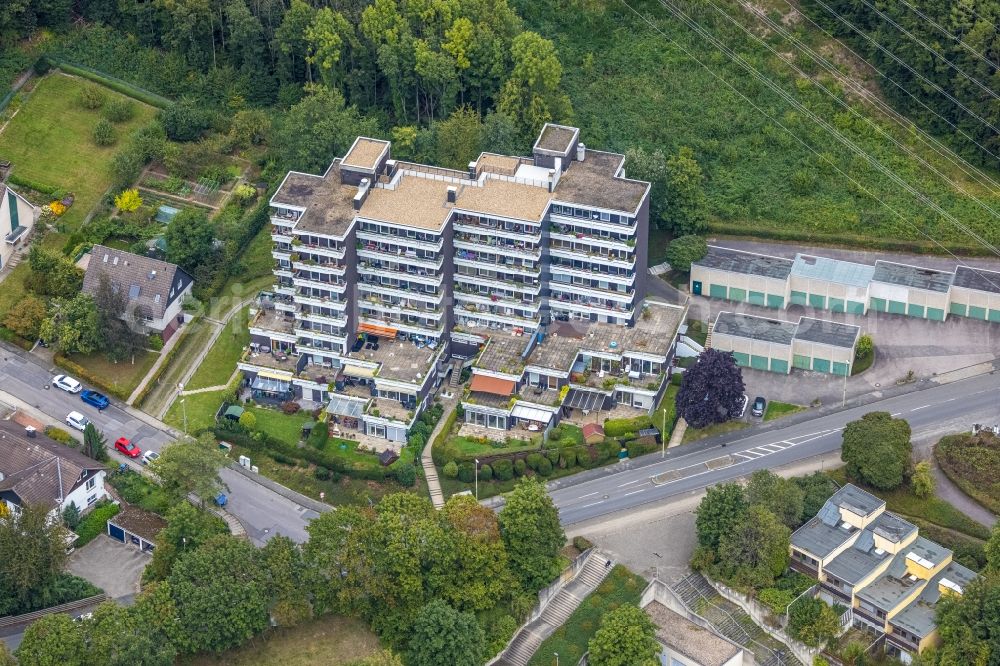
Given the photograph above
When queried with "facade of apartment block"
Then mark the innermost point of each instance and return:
(877, 565)
(385, 268)
(844, 286)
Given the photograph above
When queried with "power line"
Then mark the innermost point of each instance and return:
(822, 62)
(823, 157)
(950, 35)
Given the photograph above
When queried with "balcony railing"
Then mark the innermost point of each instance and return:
(567, 302)
(405, 258)
(467, 242)
(594, 273)
(472, 260)
(380, 289)
(514, 285)
(475, 296)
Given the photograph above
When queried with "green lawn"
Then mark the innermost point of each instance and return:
(195, 339)
(13, 288)
(140, 490)
(277, 424)
(331, 640)
(775, 410)
(123, 376)
(200, 409)
(49, 142)
(860, 365)
(220, 362)
(694, 434)
(665, 414)
(469, 446)
(570, 640)
(933, 509)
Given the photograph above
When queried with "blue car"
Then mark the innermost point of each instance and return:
(94, 398)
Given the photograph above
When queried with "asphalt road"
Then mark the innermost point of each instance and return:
(262, 511)
(933, 412)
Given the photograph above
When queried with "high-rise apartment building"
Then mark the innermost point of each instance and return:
(386, 269)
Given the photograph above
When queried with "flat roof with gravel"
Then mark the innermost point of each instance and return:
(904, 275)
(556, 138)
(595, 182)
(747, 263)
(738, 325)
(832, 270)
(827, 332)
(365, 153)
(329, 204)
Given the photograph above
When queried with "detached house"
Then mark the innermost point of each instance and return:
(17, 218)
(156, 288)
(877, 565)
(37, 470)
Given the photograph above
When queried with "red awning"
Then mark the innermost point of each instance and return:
(492, 385)
(384, 331)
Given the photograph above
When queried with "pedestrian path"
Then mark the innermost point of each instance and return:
(426, 459)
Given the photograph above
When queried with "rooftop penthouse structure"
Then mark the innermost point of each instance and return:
(382, 267)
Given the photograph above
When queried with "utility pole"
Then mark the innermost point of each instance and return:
(477, 479)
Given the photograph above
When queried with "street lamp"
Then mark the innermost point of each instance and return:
(557, 658)
(180, 392)
(477, 479)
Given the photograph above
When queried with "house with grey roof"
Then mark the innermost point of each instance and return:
(155, 289)
(17, 219)
(765, 343)
(35, 470)
(876, 564)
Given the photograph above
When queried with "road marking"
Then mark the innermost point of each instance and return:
(587, 495)
(641, 490)
(630, 483)
(916, 408)
(591, 504)
(896, 414)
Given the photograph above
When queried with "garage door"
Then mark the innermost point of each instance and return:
(737, 294)
(915, 310)
(758, 362)
(855, 307)
(836, 304)
(821, 364)
(779, 365)
(116, 533)
(957, 309)
(756, 297)
(799, 298)
(840, 369)
(717, 290)
(774, 301)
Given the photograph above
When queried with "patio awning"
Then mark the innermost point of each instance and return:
(268, 385)
(531, 414)
(584, 400)
(358, 371)
(273, 374)
(342, 406)
(375, 329)
(14, 235)
(492, 385)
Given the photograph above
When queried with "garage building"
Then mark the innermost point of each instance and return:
(975, 293)
(134, 526)
(746, 277)
(830, 284)
(776, 345)
(910, 290)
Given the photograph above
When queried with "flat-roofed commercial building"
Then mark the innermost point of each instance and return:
(830, 284)
(745, 277)
(776, 345)
(910, 290)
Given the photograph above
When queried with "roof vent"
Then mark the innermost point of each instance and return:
(359, 198)
(581, 151)
(846, 525)
(472, 170)
(879, 552)
(152, 275)
(452, 194)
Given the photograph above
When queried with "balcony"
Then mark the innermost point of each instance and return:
(301, 263)
(280, 235)
(533, 288)
(591, 223)
(466, 242)
(286, 218)
(306, 297)
(586, 290)
(470, 296)
(377, 269)
(405, 326)
(583, 254)
(400, 242)
(331, 320)
(408, 258)
(337, 337)
(403, 308)
(570, 235)
(381, 289)
(590, 306)
(472, 260)
(465, 314)
(301, 279)
(837, 593)
(594, 273)
(319, 250)
(526, 233)
(803, 568)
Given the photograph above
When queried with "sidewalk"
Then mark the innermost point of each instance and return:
(427, 461)
(154, 371)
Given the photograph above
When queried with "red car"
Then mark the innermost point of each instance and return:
(128, 448)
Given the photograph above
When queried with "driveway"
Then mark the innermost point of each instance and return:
(110, 565)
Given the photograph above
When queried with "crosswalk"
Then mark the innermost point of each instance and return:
(765, 450)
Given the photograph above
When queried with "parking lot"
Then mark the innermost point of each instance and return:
(110, 565)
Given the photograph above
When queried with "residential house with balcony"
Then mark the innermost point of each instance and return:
(17, 218)
(877, 565)
(382, 266)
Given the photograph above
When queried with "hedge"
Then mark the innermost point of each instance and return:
(95, 523)
(626, 427)
(111, 82)
(86, 375)
(10, 336)
(281, 451)
(438, 447)
(164, 364)
(842, 239)
(41, 188)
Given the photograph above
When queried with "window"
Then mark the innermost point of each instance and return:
(91, 483)
(91, 499)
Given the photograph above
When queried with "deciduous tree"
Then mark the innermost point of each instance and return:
(128, 200)
(187, 528)
(923, 480)
(782, 497)
(812, 621)
(532, 95)
(190, 238)
(723, 506)
(74, 326)
(712, 391)
(529, 524)
(220, 595)
(289, 581)
(969, 624)
(120, 321)
(190, 466)
(754, 551)
(627, 637)
(686, 206)
(32, 550)
(877, 450)
(117, 636)
(53, 640)
(684, 250)
(482, 575)
(443, 635)
(26, 317)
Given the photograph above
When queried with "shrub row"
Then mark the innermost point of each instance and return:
(543, 463)
(626, 428)
(61, 436)
(842, 239)
(111, 82)
(290, 453)
(10, 336)
(439, 446)
(86, 375)
(41, 188)
(95, 522)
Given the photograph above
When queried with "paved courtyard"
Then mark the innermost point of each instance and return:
(110, 565)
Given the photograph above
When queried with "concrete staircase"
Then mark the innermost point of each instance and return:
(731, 621)
(527, 639)
(455, 380)
(708, 337)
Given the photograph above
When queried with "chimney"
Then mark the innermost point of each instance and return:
(472, 170)
(452, 193)
(359, 198)
(581, 151)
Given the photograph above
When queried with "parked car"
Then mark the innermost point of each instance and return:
(128, 448)
(149, 456)
(67, 383)
(742, 409)
(759, 406)
(77, 420)
(94, 398)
